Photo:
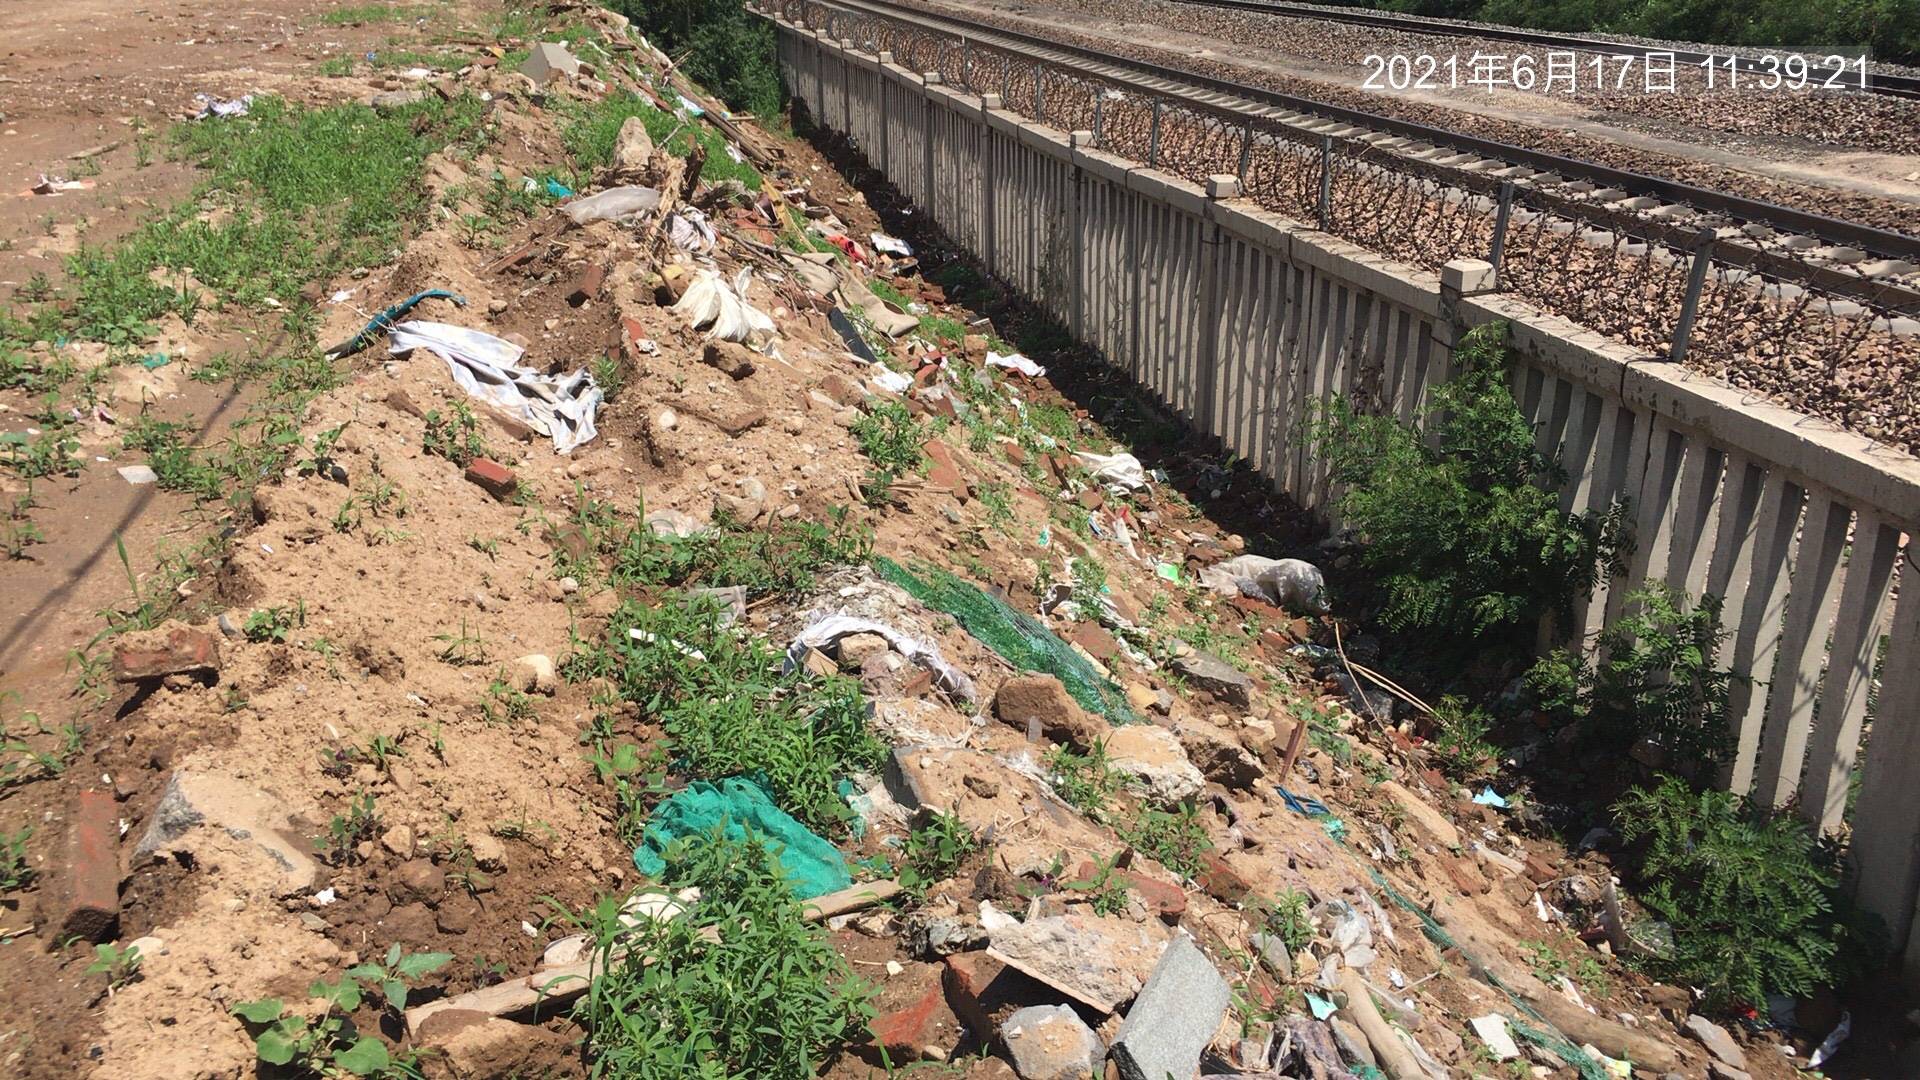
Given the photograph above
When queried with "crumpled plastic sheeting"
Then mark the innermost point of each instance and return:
(742, 808)
(828, 629)
(1290, 584)
(1015, 362)
(709, 302)
(1122, 472)
(489, 369)
(690, 232)
(613, 204)
(210, 105)
(890, 380)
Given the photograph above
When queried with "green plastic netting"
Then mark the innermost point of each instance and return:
(1019, 638)
(742, 807)
(1544, 1036)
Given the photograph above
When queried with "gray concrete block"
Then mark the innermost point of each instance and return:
(1174, 1017)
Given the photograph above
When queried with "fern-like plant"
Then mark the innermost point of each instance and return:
(1463, 529)
(1658, 680)
(1753, 899)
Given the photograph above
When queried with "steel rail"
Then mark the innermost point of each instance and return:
(1788, 219)
(1744, 58)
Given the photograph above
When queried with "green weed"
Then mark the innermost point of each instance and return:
(933, 852)
(1085, 781)
(891, 438)
(1176, 838)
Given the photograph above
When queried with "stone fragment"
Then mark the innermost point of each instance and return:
(90, 902)
(854, 650)
(495, 478)
(1218, 754)
(173, 648)
(398, 840)
(534, 674)
(548, 61)
(470, 1045)
(417, 880)
(1174, 1018)
(730, 357)
(1041, 699)
(1051, 1042)
(489, 853)
(1099, 961)
(1716, 1040)
(633, 146)
(1205, 671)
(1220, 880)
(1426, 817)
(1153, 758)
(231, 811)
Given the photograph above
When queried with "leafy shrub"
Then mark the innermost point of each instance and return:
(891, 438)
(934, 852)
(1459, 741)
(1086, 781)
(1463, 530)
(1753, 899)
(765, 996)
(1658, 680)
(1175, 837)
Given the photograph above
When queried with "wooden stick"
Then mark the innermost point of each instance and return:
(1294, 743)
(546, 992)
(1395, 1059)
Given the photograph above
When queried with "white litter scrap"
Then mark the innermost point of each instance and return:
(613, 204)
(1015, 362)
(890, 245)
(1492, 1029)
(828, 629)
(1121, 472)
(209, 105)
(890, 380)
(710, 303)
(1292, 584)
(489, 368)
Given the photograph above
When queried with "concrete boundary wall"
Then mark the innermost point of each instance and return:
(1240, 320)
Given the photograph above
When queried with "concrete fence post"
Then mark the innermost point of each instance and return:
(1079, 140)
(931, 78)
(989, 186)
(1212, 304)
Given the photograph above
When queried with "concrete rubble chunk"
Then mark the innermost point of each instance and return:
(1153, 758)
(1218, 754)
(633, 146)
(173, 648)
(1051, 1042)
(1174, 1018)
(1099, 962)
(1205, 671)
(1716, 1040)
(549, 60)
(199, 809)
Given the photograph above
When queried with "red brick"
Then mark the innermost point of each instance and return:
(172, 649)
(1251, 606)
(982, 991)
(587, 285)
(1016, 453)
(1094, 638)
(905, 1034)
(1466, 876)
(1539, 869)
(496, 478)
(1091, 499)
(91, 907)
(1163, 899)
(741, 423)
(942, 472)
(1222, 882)
(843, 390)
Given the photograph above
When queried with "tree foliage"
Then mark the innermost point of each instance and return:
(1753, 899)
(728, 51)
(1459, 513)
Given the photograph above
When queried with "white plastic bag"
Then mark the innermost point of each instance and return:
(709, 302)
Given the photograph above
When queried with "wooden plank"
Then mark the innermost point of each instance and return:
(1843, 695)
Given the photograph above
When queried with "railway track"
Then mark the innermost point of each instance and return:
(1870, 267)
(1744, 60)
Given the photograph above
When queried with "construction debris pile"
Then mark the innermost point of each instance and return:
(1203, 836)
